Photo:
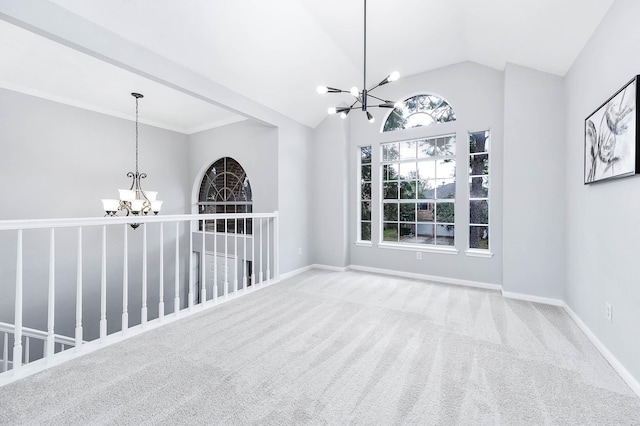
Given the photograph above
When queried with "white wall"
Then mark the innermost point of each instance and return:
(533, 190)
(601, 220)
(476, 94)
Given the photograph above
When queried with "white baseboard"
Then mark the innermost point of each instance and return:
(617, 365)
(535, 299)
(331, 268)
(295, 272)
(413, 275)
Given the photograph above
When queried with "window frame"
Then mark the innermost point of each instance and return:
(360, 200)
(230, 225)
(480, 252)
(383, 126)
(416, 246)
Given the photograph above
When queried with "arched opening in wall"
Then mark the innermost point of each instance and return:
(225, 188)
(419, 110)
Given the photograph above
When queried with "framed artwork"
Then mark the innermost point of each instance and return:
(611, 148)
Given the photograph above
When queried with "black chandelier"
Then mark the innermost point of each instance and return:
(134, 200)
(362, 97)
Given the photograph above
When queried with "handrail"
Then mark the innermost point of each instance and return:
(37, 334)
(98, 221)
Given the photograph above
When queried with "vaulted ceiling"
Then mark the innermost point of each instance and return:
(278, 52)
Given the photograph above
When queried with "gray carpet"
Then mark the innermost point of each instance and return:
(340, 348)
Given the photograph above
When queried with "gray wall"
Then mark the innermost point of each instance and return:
(533, 190)
(59, 161)
(476, 94)
(330, 200)
(601, 220)
(294, 180)
(253, 145)
(277, 163)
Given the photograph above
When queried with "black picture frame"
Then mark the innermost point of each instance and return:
(611, 143)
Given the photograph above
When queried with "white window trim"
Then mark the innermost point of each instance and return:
(427, 248)
(479, 253)
(364, 243)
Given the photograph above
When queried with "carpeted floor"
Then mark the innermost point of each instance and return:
(340, 348)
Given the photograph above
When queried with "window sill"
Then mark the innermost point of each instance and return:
(421, 248)
(478, 253)
(364, 243)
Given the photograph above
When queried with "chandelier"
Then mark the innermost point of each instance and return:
(362, 97)
(134, 200)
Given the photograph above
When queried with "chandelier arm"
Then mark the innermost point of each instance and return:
(377, 98)
(375, 87)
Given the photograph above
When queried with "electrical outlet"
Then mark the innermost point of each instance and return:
(299, 251)
(607, 312)
(419, 255)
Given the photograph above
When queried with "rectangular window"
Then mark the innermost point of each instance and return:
(418, 191)
(479, 143)
(364, 194)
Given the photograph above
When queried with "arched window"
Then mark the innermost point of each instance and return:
(419, 110)
(225, 188)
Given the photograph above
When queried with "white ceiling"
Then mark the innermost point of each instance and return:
(276, 53)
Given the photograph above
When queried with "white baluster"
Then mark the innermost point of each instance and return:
(125, 282)
(203, 283)
(161, 295)
(215, 260)
(17, 332)
(253, 253)
(27, 357)
(235, 258)
(226, 259)
(276, 246)
(261, 266)
(103, 287)
(190, 294)
(176, 298)
(51, 338)
(79, 293)
(244, 257)
(5, 352)
(268, 251)
(143, 310)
